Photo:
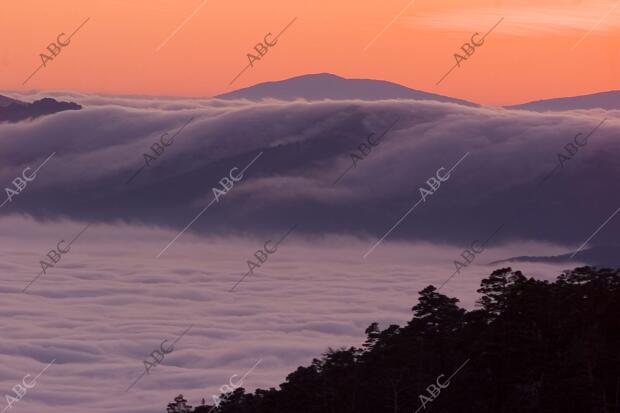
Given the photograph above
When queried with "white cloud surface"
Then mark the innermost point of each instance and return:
(108, 303)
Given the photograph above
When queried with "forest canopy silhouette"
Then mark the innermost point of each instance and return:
(530, 346)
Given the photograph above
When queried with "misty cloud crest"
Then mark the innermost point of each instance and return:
(306, 146)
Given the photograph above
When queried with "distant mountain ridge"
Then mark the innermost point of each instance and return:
(604, 100)
(12, 110)
(327, 86)
(6, 101)
(600, 256)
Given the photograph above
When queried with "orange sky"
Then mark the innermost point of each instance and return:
(121, 49)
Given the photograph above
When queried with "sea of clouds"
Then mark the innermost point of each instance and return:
(109, 302)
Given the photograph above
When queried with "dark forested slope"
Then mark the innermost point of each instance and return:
(532, 346)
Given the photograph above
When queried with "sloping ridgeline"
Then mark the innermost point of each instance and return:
(532, 346)
(12, 110)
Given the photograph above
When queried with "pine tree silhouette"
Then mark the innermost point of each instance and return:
(532, 346)
(179, 405)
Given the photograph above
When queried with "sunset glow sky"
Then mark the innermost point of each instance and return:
(542, 48)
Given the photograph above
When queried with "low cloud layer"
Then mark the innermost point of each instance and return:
(109, 303)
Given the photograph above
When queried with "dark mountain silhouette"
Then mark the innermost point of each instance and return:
(6, 101)
(600, 256)
(604, 100)
(532, 346)
(14, 111)
(327, 86)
